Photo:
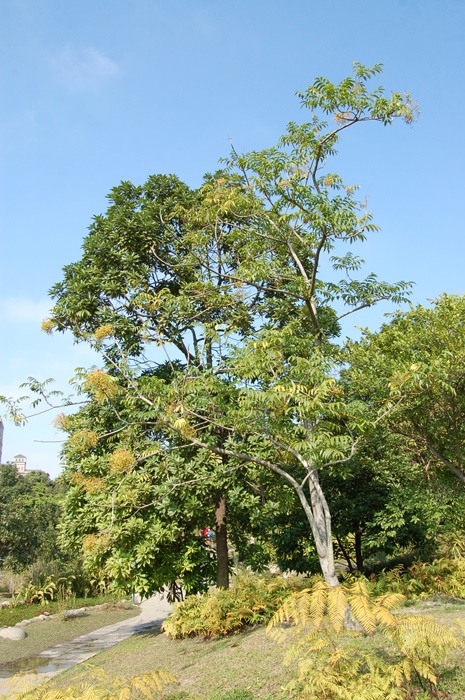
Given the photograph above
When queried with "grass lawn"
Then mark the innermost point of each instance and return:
(248, 662)
(240, 667)
(13, 614)
(46, 633)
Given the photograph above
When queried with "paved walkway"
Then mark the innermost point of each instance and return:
(63, 656)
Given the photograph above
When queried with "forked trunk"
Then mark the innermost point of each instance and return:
(319, 517)
(222, 561)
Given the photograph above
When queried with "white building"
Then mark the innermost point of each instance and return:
(20, 463)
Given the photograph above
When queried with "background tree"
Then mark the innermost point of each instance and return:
(416, 362)
(384, 503)
(29, 516)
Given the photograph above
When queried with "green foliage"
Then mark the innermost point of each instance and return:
(29, 515)
(69, 575)
(30, 593)
(251, 600)
(424, 579)
(414, 364)
(148, 685)
(330, 667)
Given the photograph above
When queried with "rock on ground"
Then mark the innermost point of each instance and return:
(13, 633)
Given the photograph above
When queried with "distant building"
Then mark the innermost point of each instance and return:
(20, 463)
(1, 439)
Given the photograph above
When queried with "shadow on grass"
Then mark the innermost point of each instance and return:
(236, 694)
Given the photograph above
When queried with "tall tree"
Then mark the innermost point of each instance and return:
(132, 256)
(238, 267)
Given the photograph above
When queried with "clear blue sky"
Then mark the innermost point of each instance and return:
(93, 93)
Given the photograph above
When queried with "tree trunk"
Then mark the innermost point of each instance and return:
(324, 538)
(358, 549)
(319, 517)
(222, 561)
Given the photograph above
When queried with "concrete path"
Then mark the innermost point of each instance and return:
(63, 656)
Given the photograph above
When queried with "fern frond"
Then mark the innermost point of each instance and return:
(149, 682)
(422, 638)
(315, 609)
(305, 651)
(384, 617)
(390, 601)
(277, 634)
(425, 670)
(124, 694)
(337, 607)
(398, 673)
(341, 658)
(360, 605)
(305, 608)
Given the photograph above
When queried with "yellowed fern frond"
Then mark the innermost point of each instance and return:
(391, 601)
(116, 689)
(337, 607)
(422, 638)
(124, 694)
(425, 670)
(156, 680)
(277, 634)
(398, 673)
(305, 646)
(144, 688)
(316, 604)
(341, 657)
(384, 617)
(295, 609)
(360, 605)
(407, 667)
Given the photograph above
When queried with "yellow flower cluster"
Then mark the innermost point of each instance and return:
(121, 461)
(104, 331)
(83, 440)
(95, 544)
(101, 385)
(93, 484)
(90, 484)
(61, 421)
(77, 478)
(47, 325)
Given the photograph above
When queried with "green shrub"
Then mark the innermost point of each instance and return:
(422, 579)
(29, 593)
(251, 600)
(78, 581)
